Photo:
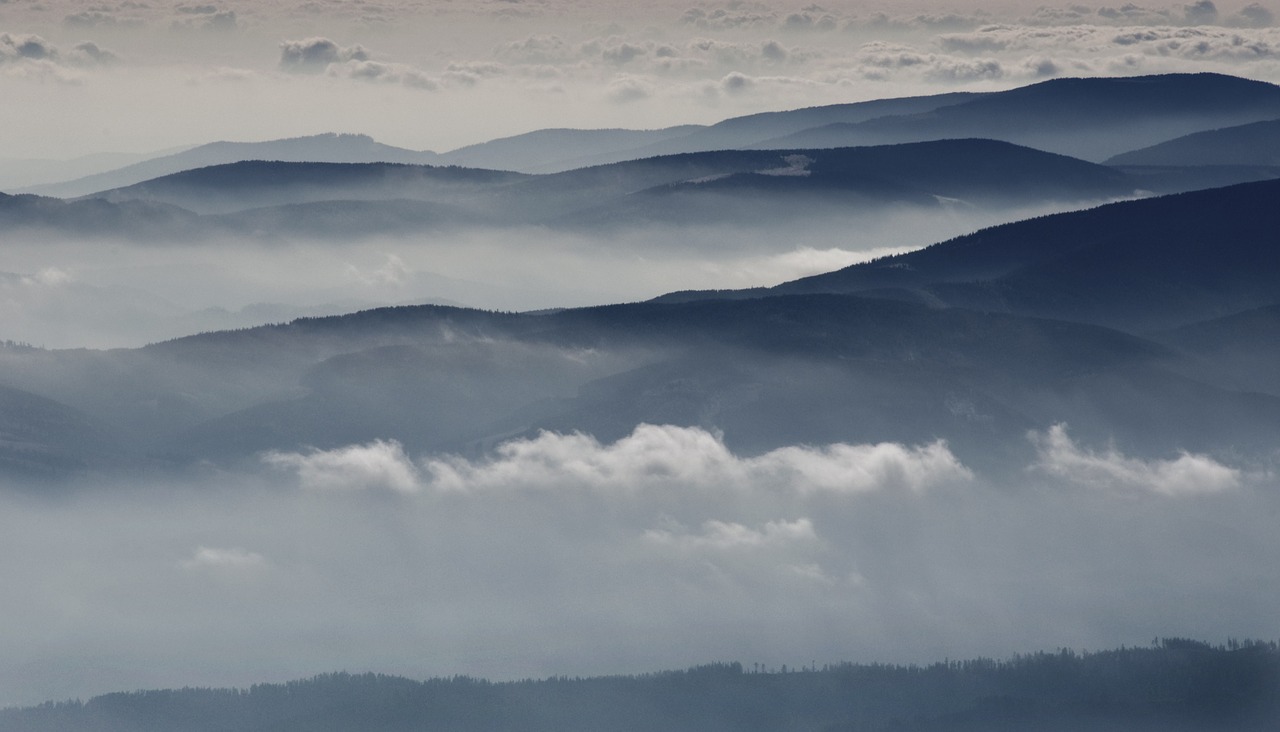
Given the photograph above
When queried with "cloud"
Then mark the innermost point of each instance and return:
(732, 15)
(1253, 16)
(229, 559)
(89, 53)
(654, 455)
(378, 71)
(1201, 12)
(205, 21)
(379, 465)
(1189, 474)
(540, 49)
(313, 55)
(628, 88)
(25, 47)
(728, 536)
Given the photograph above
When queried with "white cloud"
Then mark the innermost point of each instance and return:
(729, 536)
(379, 465)
(629, 88)
(1189, 474)
(223, 558)
(654, 455)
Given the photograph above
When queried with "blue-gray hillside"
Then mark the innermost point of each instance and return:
(328, 148)
(1255, 144)
(1138, 265)
(1088, 118)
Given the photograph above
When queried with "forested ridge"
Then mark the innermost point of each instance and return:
(1174, 684)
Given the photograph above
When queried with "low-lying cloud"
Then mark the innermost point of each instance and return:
(652, 456)
(562, 554)
(1186, 475)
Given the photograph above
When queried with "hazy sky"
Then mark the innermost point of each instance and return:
(84, 77)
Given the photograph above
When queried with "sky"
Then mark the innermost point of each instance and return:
(137, 77)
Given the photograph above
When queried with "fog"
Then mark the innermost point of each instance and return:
(559, 554)
(71, 293)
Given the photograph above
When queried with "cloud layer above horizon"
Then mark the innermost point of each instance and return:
(438, 75)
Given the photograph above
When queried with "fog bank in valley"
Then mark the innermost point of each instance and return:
(560, 554)
(62, 293)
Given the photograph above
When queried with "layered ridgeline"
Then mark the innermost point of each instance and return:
(1097, 318)
(1090, 118)
(724, 187)
(1176, 685)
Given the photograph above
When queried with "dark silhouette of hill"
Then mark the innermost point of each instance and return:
(728, 186)
(326, 148)
(1089, 118)
(258, 183)
(765, 372)
(737, 186)
(1255, 144)
(730, 134)
(1138, 265)
(1176, 685)
(92, 217)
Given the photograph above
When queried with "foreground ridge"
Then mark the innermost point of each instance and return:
(1175, 684)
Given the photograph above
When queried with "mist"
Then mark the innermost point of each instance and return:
(61, 292)
(560, 554)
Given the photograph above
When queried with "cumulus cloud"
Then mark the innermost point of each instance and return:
(216, 21)
(25, 47)
(379, 465)
(1253, 16)
(35, 50)
(386, 73)
(1201, 12)
(313, 55)
(629, 88)
(654, 455)
(1189, 474)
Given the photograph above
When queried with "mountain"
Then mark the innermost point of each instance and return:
(1138, 265)
(539, 151)
(745, 186)
(220, 189)
(763, 372)
(551, 151)
(330, 148)
(92, 217)
(24, 173)
(41, 439)
(726, 186)
(1089, 118)
(1255, 144)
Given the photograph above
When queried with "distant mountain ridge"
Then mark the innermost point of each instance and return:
(328, 147)
(724, 186)
(1257, 143)
(1088, 118)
